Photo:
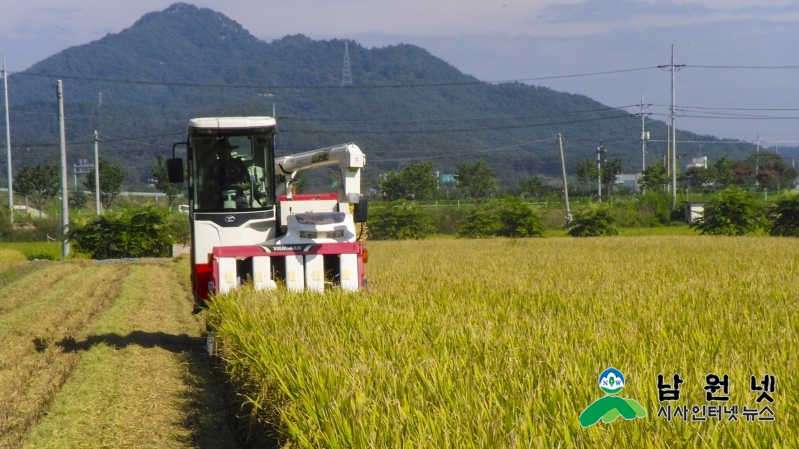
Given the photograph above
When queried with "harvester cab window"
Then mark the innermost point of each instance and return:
(232, 172)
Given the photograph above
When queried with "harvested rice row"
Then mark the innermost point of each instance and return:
(143, 379)
(25, 282)
(10, 258)
(39, 354)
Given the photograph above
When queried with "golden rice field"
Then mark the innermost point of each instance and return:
(499, 343)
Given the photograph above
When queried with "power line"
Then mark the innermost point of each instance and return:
(711, 142)
(459, 145)
(439, 131)
(768, 67)
(734, 115)
(264, 86)
(727, 109)
(511, 117)
(103, 117)
(113, 139)
(465, 152)
(506, 147)
(120, 139)
(753, 117)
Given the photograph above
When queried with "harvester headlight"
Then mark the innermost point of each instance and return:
(307, 235)
(335, 234)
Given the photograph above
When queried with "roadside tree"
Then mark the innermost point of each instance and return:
(533, 187)
(698, 178)
(39, 183)
(111, 178)
(731, 212)
(476, 180)
(586, 174)
(414, 182)
(610, 170)
(78, 200)
(162, 184)
(724, 173)
(771, 171)
(654, 177)
(785, 216)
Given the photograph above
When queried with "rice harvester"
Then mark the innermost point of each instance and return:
(247, 222)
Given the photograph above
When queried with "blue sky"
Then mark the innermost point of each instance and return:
(506, 39)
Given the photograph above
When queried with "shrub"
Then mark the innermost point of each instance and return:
(730, 212)
(785, 216)
(398, 220)
(447, 219)
(480, 223)
(78, 200)
(178, 228)
(518, 219)
(509, 217)
(658, 205)
(593, 221)
(135, 233)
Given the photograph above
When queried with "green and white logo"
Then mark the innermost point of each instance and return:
(610, 407)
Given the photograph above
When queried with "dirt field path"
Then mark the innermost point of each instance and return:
(105, 356)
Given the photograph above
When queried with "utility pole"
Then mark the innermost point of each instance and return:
(565, 184)
(672, 66)
(8, 146)
(757, 153)
(600, 151)
(673, 139)
(667, 160)
(64, 179)
(96, 175)
(644, 136)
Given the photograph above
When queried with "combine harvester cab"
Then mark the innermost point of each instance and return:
(246, 222)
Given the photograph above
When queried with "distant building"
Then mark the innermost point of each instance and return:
(694, 210)
(629, 181)
(698, 162)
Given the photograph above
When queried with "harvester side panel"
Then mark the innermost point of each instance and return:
(315, 272)
(349, 272)
(295, 278)
(262, 273)
(226, 274)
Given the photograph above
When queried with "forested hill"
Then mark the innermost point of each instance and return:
(404, 106)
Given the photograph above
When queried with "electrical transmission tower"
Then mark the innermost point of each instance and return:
(346, 72)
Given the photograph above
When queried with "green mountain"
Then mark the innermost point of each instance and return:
(404, 106)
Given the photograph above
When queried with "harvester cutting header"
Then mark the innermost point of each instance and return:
(246, 222)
